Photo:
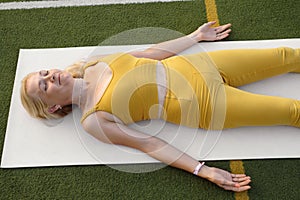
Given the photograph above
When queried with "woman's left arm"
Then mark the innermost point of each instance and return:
(170, 48)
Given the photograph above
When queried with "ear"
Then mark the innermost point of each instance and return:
(54, 108)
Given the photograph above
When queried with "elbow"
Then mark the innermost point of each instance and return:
(157, 55)
(154, 54)
(152, 144)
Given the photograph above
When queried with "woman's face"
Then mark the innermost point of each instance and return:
(53, 87)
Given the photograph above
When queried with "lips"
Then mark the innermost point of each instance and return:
(59, 79)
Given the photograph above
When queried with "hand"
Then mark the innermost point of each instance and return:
(208, 33)
(228, 181)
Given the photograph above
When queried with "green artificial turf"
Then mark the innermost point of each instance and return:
(261, 20)
(90, 26)
(274, 179)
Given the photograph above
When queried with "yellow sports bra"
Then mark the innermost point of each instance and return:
(132, 91)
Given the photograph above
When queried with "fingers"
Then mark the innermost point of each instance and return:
(237, 189)
(241, 179)
(239, 183)
(224, 32)
(223, 35)
(238, 175)
(220, 29)
(210, 23)
(245, 183)
(229, 184)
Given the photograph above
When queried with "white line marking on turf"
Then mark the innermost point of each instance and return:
(67, 3)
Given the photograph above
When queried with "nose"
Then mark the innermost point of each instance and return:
(50, 77)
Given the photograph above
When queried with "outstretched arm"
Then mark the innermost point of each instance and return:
(170, 48)
(102, 126)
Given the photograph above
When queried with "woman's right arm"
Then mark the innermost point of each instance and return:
(173, 47)
(103, 127)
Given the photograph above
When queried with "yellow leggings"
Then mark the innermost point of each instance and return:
(240, 67)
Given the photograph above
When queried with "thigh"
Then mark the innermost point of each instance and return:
(242, 66)
(248, 109)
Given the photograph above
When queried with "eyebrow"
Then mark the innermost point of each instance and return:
(40, 81)
(39, 84)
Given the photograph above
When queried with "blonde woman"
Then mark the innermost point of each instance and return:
(194, 90)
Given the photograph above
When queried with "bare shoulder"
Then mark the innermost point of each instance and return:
(106, 128)
(96, 58)
(96, 67)
(96, 125)
(94, 122)
(93, 125)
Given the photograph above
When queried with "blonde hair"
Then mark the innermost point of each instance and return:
(37, 108)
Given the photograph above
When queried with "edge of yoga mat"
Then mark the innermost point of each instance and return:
(32, 143)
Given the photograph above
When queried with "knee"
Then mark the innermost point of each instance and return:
(289, 55)
(295, 114)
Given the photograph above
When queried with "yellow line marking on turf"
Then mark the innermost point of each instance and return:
(211, 11)
(235, 166)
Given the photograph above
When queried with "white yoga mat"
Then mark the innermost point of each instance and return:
(32, 143)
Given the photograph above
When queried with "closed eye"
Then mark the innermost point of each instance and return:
(45, 86)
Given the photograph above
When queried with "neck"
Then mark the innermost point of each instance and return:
(79, 95)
